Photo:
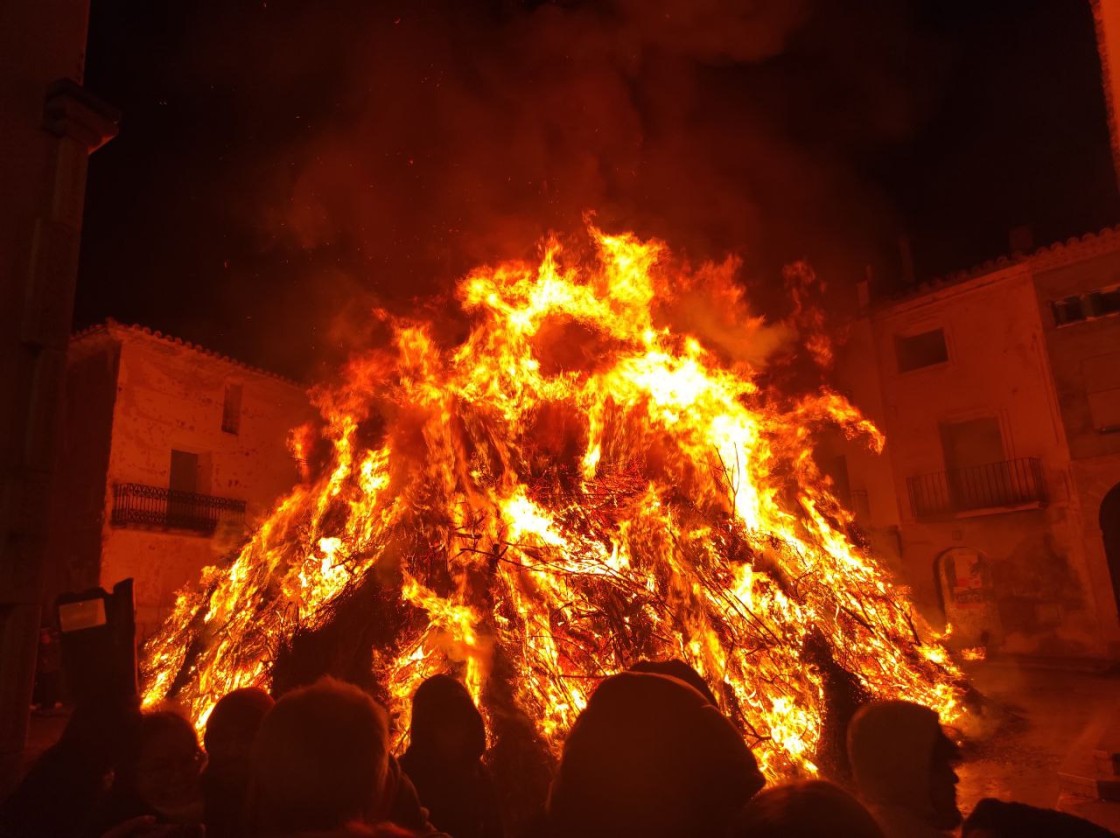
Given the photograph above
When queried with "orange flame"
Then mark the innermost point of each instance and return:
(598, 488)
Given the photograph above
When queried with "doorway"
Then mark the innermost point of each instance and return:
(183, 486)
(967, 593)
(1110, 533)
(973, 453)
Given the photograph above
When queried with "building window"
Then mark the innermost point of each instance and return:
(977, 473)
(1099, 303)
(836, 469)
(1104, 302)
(861, 505)
(231, 409)
(1069, 310)
(923, 350)
(975, 442)
(184, 471)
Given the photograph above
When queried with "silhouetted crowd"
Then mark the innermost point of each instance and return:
(651, 755)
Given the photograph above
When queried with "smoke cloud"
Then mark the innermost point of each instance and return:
(367, 154)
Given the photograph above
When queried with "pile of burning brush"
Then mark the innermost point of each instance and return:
(595, 475)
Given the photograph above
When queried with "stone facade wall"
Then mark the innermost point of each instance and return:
(1013, 577)
(1085, 359)
(171, 396)
(1082, 353)
(874, 500)
(77, 504)
(1093, 479)
(1026, 578)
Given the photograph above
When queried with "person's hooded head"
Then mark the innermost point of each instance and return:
(319, 761)
(230, 733)
(998, 819)
(901, 758)
(168, 767)
(805, 810)
(676, 668)
(105, 737)
(446, 725)
(650, 756)
(233, 725)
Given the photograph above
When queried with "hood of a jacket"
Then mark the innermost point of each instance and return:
(890, 748)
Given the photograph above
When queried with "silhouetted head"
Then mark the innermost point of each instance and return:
(445, 722)
(901, 757)
(807, 809)
(234, 723)
(319, 760)
(651, 756)
(996, 819)
(680, 670)
(104, 735)
(230, 733)
(168, 766)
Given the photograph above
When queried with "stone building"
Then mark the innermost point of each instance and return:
(997, 498)
(169, 453)
(999, 392)
(49, 125)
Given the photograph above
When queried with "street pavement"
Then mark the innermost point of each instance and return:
(1040, 719)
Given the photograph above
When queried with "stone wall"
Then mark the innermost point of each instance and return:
(856, 376)
(1032, 590)
(1084, 355)
(171, 397)
(77, 506)
(1085, 361)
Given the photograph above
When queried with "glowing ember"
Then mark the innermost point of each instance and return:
(576, 486)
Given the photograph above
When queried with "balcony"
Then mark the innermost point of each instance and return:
(137, 505)
(978, 490)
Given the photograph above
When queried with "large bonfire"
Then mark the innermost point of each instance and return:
(577, 485)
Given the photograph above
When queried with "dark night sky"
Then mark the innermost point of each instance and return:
(282, 166)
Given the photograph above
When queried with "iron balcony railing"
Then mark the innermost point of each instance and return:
(135, 504)
(1008, 483)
